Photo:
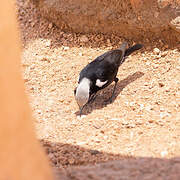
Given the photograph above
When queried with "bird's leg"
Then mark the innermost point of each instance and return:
(110, 99)
(92, 98)
(81, 109)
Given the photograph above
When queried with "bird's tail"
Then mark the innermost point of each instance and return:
(130, 50)
(119, 55)
(123, 48)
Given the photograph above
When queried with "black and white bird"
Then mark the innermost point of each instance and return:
(100, 73)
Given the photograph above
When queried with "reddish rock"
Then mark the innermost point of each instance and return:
(131, 18)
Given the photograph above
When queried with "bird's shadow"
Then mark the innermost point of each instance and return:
(103, 95)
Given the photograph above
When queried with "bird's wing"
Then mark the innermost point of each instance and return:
(122, 48)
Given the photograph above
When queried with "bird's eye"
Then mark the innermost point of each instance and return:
(74, 91)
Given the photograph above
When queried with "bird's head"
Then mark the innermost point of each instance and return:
(82, 93)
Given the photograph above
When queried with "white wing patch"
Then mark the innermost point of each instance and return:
(78, 79)
(99, 83)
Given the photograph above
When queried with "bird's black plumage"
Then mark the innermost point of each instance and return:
(105, 67)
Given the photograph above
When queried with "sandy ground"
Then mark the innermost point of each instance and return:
(143, 121)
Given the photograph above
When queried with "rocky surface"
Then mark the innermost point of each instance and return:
(135, 19)
(140, 129)
(128, 169)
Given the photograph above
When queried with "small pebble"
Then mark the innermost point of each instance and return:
(115, 119)
(163, 54)
(164, 153)
(141, 106)
(161, 84)
(149, 108)
(94, 152)
(50, 25)
(84, 38)
(151, 121)
(140, 132)
(125, 123)
(66, 48)
(156, 51)
(108, 41)
(166, 46)
(148, 63)
(81, 117)
(81, 143)
(102, 131)
(71, 161)
(139, 122)
(130, 126)
(48, 43)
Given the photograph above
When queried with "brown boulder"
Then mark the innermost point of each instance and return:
(130, 18)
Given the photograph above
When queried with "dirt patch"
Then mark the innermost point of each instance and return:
(143, 120)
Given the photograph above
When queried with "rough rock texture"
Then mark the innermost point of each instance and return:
(129, 18)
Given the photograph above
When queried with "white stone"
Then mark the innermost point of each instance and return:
(156, 51)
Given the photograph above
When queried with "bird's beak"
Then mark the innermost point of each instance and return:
(81, 109)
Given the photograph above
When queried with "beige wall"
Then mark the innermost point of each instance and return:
(21, 157)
